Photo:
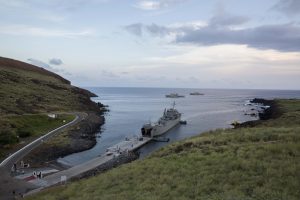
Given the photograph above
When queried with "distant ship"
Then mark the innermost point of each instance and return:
(174, 95)
(171, 117)
(196, 93)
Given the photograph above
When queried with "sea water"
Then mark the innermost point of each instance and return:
(130, 108)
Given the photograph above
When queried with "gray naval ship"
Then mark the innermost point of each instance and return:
(171, 117)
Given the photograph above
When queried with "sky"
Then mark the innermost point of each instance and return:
(158, 43)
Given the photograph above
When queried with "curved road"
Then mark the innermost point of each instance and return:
(18, 155)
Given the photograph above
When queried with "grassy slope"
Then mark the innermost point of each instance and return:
(36, 124)
(24, 128)
(26, 91)
(262, 162)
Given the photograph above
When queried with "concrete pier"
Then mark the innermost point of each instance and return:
(130, 144)
(113, 152)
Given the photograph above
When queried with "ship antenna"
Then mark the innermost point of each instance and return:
(174, 104)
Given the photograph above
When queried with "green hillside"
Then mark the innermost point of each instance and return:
(27, 94)
(29, 89)
(261, 162)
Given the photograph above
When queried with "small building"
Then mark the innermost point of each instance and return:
(53, 116)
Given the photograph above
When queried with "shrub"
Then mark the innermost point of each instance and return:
(8, 136)
(23, 133)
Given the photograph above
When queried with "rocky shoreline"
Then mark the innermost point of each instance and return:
(270, 111)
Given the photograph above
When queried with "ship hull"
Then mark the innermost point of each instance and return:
(161, 129)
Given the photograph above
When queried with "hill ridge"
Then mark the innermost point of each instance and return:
(12, 63)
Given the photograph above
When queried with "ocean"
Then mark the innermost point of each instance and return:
(130, 108)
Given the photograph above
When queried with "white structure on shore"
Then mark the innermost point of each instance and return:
(52, 115)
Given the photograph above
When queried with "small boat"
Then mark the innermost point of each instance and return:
(174, 95)
(196, 93)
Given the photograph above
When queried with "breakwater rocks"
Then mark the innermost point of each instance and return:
(121, 159)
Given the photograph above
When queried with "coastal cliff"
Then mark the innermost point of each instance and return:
(28, 94)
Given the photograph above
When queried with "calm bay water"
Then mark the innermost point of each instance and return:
(130, 108)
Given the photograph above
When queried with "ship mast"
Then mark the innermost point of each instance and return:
(174, 104)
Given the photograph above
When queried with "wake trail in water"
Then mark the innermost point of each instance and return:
(209, 113)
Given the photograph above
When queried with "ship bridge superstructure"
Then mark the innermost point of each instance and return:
(170, 118)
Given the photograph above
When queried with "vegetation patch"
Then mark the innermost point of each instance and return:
(29, 89)
(35, 125)
(16, 128)
(73, 139)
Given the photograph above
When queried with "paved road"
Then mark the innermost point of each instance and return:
(17, 156)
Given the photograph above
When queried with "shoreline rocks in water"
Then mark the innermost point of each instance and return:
(103, 108)
(269, 110)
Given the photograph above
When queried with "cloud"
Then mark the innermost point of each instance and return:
(46, 66)
(39, 63)
(51, 17)
(282, 37)
(149, 5)
(109, 74)
(55, 61)
(223, 62)
(135, 29)
(225, 28)
(158, 30)
(138, 28)
(156, 5)
(53, 4)
(24, 30)
(288, 7)
(222, 18)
